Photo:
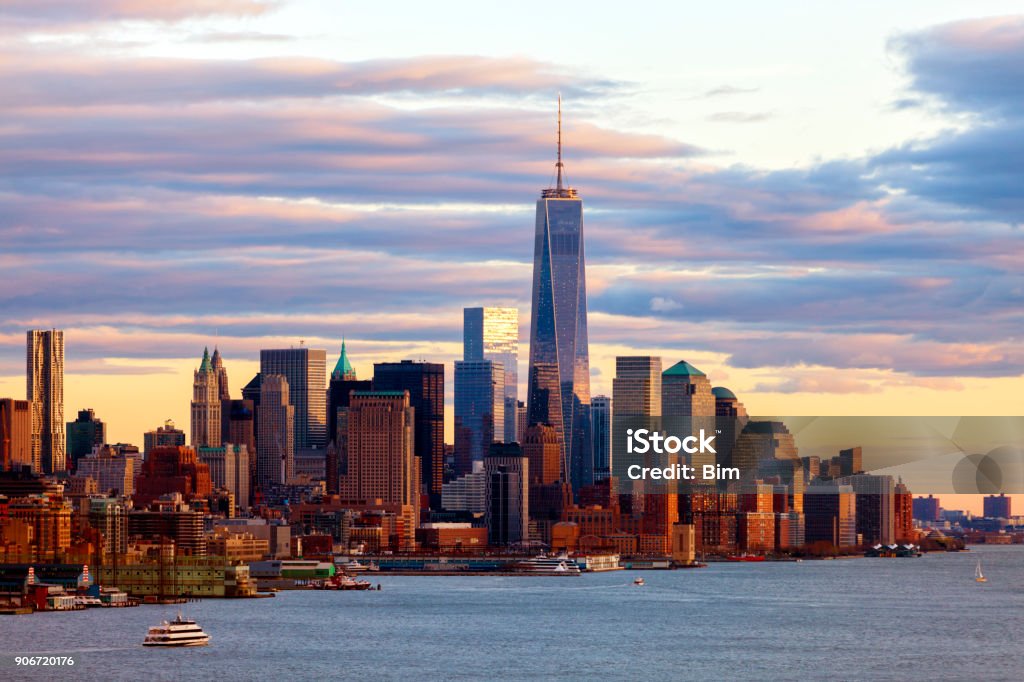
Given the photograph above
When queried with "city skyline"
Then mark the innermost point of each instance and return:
(811, 273)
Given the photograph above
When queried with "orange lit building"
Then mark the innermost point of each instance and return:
(169, 469)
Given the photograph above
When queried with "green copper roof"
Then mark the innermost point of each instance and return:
(723, 393)
(205, 366)
(343, 370)
(682, 369)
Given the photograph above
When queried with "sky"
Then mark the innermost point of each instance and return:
(818, 204)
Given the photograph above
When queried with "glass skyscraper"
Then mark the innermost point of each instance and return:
(306, 372)
(493, 334)
(559, 379)
(479, 411)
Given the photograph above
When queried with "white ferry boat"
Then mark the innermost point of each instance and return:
(178, 632)
(545, 565)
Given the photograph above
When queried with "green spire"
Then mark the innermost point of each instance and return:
(343, 370)
(205, 366)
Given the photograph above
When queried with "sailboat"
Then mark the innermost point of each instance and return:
(979, 577)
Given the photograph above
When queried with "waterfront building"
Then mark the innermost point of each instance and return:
(601, 433)
(45, 392)
(114, 471)
(16, 435)
(467, 493)
(237, 546)
(168, 470)
(50, 521)
(903, 513)
(305, 370)
(830, 514)
(508, 509)
(181, 576)
(275, 442)
(493, 334)
(927, 509)
(170, 520)
(875, 512)
(229, 469)
(424, 381)
(163, 436)
(558, 384)
(206, 405)
(997, 506)
(84, 434)
(479, 411)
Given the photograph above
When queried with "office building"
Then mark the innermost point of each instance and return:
(229, 469)
(305, 369)
(217, 363)
(275, 442)
(343, 382)
(997, 506)
(16, 435)
(493, 334)
(686, 392)
(167, 470)
(206, 405)
(45, 391)
(508, 508)
(84, 434)
(467, 493)
(876, 522)
(541, 448)
(479, 411)
(764, 441)
(425, 383)
(109, 516)
(927, 509)
(558, 384)
(636, 398)
(163, 436)
(601, 430)
(851, 462)
(830, 514)
(903, 512)
(113, 470)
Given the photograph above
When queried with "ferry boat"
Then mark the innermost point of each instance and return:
(341, 582)
(87, 601)
(545, 565)
(178, 632)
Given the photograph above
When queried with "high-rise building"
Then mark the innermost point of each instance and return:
(84, 434)
(479, 411)
(903, 512)
(343, 382)
(166, 435)
(521, 420)
(206, 405)
(425, 383)
(830, 514)
(636, 395)
(601, 430)
(168, 470)
(467, 493)
(493, 334)
(16, 435)
(541, 447)
(558, 385)
(996, 506)
(237, 419)
(217, 363)
(229, 468)
(875, 512)
(730, 420)
(760, 441)
(306, 372)
(851, 462)
(113, 470)
(109, 516)
(507, 512)
(382, 469)
(686, 392)
(275, 442)
(927, 509)
(45, 390)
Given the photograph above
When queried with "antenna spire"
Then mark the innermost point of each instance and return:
(558, 165)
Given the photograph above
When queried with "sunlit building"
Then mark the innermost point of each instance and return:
(493, 334)
(45, 392)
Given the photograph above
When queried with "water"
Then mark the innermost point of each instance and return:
(850, 619)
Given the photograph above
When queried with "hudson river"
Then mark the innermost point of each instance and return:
(851, 619)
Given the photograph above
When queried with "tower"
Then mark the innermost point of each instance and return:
(493, 334)
(275, 444)
(306, 372)
(206, 404)
(222, 374)
(558, 385)
(45, 391)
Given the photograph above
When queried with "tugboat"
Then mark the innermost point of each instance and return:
(178, 632)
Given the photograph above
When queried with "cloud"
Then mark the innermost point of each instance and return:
(725, 90)
(740, 116)
(48, 14)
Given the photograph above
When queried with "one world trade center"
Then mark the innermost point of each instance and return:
(559, 379)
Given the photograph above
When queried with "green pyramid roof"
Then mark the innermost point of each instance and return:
(682, 368)
(205, 366)
(344, 368)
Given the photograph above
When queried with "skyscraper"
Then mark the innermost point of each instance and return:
(493, 334)
(507, 512)
(558, 387)
(206, 404)
(16, 435)
(84, 434)
(425, 383)
(275, 443)
(636, 398)
(686, 392)
(343, 382)
(45, 390)
(222, 374)
(163, 435)
(479, 411)
(601, 430)
(306, 372)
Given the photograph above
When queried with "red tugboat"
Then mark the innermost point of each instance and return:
(341, 582)
(745, 557)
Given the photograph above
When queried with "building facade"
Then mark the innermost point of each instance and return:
(275, 442)
(45, 391)
(306, 372)
(479, 411)
(16, 449)
(84, 434)
(493, 334)
(601, 430)
(206, 405)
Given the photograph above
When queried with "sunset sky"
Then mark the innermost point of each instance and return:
(819, 206)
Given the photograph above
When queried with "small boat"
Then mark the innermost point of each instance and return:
(745, 557)
(639, 582)
(979, 577)
(545, 565)
(178, 632)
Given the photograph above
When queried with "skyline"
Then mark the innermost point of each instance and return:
(265, 199)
